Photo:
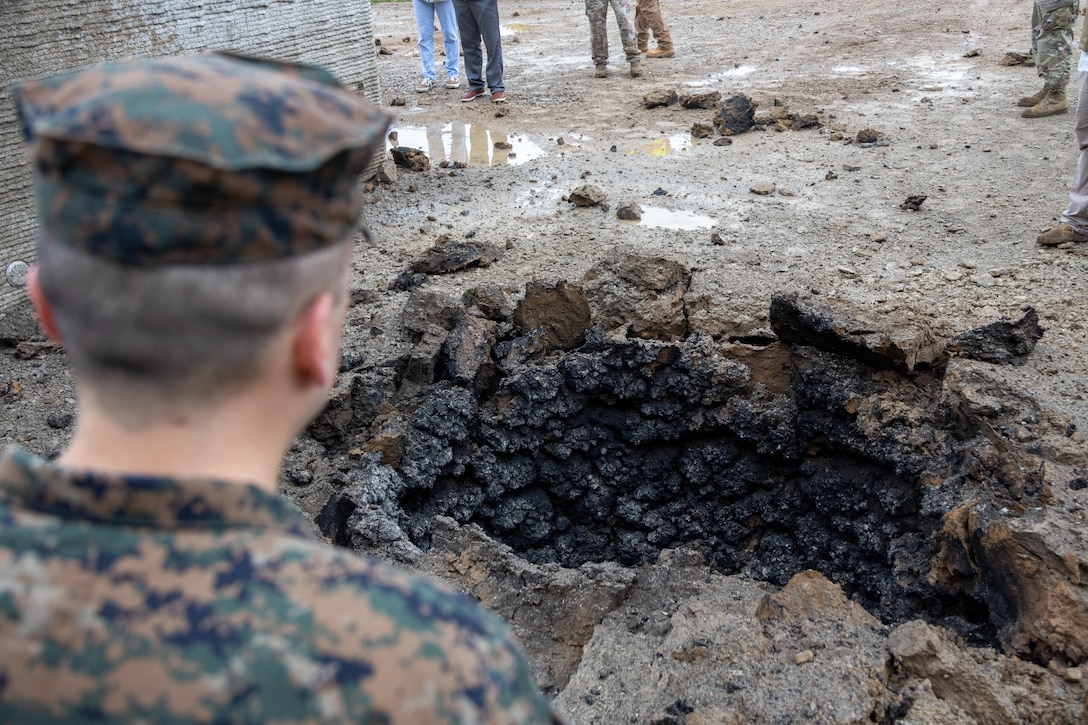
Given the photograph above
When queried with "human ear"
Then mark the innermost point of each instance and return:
(315, 350)
(41, 305)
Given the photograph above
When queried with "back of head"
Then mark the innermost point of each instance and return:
(189, 207)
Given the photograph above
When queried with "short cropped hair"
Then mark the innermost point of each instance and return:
(145, 336)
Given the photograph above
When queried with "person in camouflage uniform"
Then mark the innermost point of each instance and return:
(1073, 227)
(1052, 46)
(197, 217)
(597, 11)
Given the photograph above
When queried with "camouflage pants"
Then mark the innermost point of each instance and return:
(1052, 40)
(597, 11)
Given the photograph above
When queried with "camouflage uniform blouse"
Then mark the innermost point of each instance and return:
(140, 599)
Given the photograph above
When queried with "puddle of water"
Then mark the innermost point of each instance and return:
(668, 145)
(468, 143)
(661, 218)
(513, 28)
(848, 70)
(738, 71)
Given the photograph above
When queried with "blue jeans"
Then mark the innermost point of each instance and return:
(425, 14)
(478, 19)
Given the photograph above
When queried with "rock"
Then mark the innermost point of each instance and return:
(640, 296)
(407, 281)
(725, 665)
(410, 158)
(700, 100)
(659, 98)
(763, 188)
(629, 211)
(567, 603)
(491, 300)
(716, 239)
(736, 115)
(702, 130)
(587, 195)
(456, 256)
(723, 141)
(913, 202)
(1012, 58)
(869, 135)
(876, 342)
(1003, 342)
(466, 353)
(561, 309)
(387, 172)
(988, 687)
(397, 101)
(426, 309)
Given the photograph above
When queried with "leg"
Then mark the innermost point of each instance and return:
(657, 24)
(597, 12)
(447, 18)
(1054, 47)
(1036, 28)
(642, 25)
(489, 29)
(425, 27)
(622, 10)
(470, 43)
(1076, 215)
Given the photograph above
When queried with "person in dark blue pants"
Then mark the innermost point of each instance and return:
(478, 19)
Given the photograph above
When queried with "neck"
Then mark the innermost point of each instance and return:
(242, 442)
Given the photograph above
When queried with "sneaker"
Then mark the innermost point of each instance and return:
(498, 97)
(1060, 235)
(1052, 104)
(453, 82)
(471, 94)
(659, 53)
(636, 68)
(1029, 101)
(601, 72)
(425, 85)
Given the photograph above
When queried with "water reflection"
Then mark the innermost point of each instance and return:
(468, 143)
(662, 218)
(668, 145)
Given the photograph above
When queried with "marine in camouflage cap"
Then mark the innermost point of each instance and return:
(197, 218)
(210, 159)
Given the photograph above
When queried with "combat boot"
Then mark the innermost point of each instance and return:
(636, 68)
(602, 71)
(1060, 235)
(1029, 101)
(1052, 104)
(660, 52)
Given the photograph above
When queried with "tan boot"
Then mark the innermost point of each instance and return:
(601, 72)
(659, 53)
(1060, 235)
(1029, 101)
(636, 68)
(1051, 105)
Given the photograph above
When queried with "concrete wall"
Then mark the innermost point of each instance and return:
(42, 37)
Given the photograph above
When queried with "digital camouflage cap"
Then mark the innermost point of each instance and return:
(200, 159)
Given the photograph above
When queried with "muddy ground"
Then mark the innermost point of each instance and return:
(928, 78)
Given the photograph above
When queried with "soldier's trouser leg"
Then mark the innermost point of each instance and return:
(648, 18)
(1054, 41)
(627, 30)
(642, 25)
(597, 12)
(1076, 215)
